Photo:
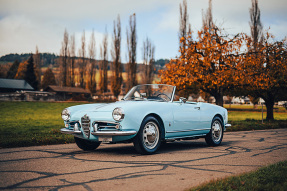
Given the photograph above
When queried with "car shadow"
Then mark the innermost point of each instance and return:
(124, 149)
(182, 146)
(128, 149)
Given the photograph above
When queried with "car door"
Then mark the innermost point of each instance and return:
(186, 119)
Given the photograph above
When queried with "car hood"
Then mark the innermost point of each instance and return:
(86, 107)
(104, 111)
(109, 107)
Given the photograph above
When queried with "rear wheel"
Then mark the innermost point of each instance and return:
(148, 139)
(86, 145)
(214, 137)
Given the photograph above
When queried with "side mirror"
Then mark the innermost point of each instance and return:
(182, 100)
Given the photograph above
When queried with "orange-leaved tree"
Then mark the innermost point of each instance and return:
(208, 63)
(22, 69)
(265, 71)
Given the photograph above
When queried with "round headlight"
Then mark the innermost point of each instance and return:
(66, 115)
(118, 114)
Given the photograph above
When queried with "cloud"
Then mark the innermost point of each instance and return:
(25, 24)
(21, 34)
(97, 10)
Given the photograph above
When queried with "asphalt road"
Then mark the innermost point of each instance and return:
(177, 166)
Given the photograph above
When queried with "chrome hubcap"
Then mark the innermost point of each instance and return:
(150, 135)
(216, 131)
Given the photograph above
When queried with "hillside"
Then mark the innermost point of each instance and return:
(46, 58)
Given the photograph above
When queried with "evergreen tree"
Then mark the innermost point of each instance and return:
(37, 66)
(30, 75)
(13, 70)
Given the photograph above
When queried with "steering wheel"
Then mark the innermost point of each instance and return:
(162, 97)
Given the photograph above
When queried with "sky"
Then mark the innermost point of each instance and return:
(30, 23)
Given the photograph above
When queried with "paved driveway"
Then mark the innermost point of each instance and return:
(176, 166)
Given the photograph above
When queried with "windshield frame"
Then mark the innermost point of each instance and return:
(132, 89)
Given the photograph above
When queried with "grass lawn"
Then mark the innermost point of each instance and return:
(273, 177)
(32, 123)
(251, 115)
(252, 108)
(245, 117)
(39, 123)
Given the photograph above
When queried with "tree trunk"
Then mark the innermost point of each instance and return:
(219, 99)
(218, 95)
(269, 99)
(269, 105)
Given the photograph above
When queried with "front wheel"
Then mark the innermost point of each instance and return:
(86, 145)
(214, 137)
(148, 139)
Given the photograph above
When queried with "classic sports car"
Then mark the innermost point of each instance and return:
(148, 115)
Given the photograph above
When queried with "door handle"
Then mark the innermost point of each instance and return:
(198, 108)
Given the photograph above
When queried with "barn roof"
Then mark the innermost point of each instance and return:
(15, 84)
(67, 89)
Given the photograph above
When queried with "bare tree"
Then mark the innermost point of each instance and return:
(72, 55)
(104, 65)
(37, 65)
(64, 58)
(207, 18)
(255, 24)
(185, 34)
(116, 56)
(132, 47)
(82, 63)
(92, 64)
(184, 25)
(148, 61)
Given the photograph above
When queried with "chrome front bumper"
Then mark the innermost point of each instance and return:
(100, 133)
(68, 131)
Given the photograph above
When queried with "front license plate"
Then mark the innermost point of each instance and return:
(105, 139)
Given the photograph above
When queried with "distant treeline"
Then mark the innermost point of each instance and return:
(48, 59)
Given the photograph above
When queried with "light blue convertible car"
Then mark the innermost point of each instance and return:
(148, 115)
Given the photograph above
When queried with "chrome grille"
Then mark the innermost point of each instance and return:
(71, 124)
(85, 120)
(106, 125)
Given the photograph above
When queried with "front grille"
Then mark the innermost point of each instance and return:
(85, 120)
(72, 124)
(106, 126)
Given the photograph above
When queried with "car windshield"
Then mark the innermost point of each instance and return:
(150, 92)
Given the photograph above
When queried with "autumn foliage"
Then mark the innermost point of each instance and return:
(244, 65)
(264, 71)
(208, 63)
(217, 64)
